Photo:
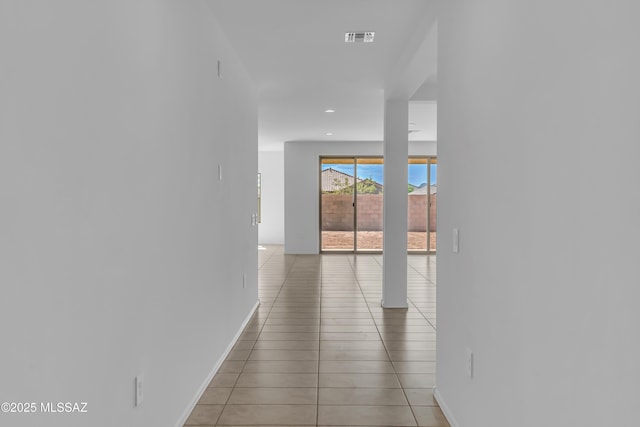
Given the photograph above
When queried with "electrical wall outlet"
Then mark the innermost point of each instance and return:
(456, 240)
(139, 384)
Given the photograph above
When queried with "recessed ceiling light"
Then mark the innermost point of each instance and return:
(359, 37)
(329, 111)
(329, 133)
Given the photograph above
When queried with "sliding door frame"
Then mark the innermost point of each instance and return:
(429, 161)
(354, 159)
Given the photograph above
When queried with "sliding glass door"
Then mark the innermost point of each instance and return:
(433, 200)
(351, 204)
(422, 204)
(370, 171)
(337, 204)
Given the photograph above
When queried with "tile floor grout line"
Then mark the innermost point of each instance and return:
(404, 393)
(409, 298)
(295, 288)
(244, 364)
(414, 304)
(319, 349)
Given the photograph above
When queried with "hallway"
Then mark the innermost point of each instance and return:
(321, 351)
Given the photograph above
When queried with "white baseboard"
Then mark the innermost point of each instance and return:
(205, 384)
(444, 408)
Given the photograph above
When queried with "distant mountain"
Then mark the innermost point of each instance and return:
(424, 189)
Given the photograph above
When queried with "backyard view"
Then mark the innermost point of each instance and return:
(352, 204)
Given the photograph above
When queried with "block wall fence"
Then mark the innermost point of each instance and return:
(337, 212)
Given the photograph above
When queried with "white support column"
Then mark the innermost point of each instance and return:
(396, 153)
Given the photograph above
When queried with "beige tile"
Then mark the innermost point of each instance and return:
(237, 415)
(302, 302)
(286, 345)
(315, 314)
(351, 345)
(417, 380)
(415, 367)
(348, 329)
(331, 415)
(393, 329)
(224, 380)
(273, 396)
(349, 336)
(204, 415)
(291, 328)
(384, 317)
(420, 396)
(328, 311)
(359, 380)
(347, 315)
(285, 366)
(306, 302)
(277, 380)
(330, 321)
(344, 301)
(215, 396)
(413, 355)
(350, 303)
(356, 366)
(294, 309)
(408, 336)
(231, 367)
(401, 322)
(273, 321)
(395, 313)
(238, 355)
(430, 416)
(361, 396)
(334, 289)
(295, 315)
(244, 345)
(289, 336)
(284, 355)
(353, 355)
(248, 336)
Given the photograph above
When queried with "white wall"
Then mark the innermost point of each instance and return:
(538, 106)
(271, 167)
(120, 251)
(301, 166)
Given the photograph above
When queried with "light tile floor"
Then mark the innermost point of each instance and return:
(320, 351)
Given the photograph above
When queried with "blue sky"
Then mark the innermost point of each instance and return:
(417, 172)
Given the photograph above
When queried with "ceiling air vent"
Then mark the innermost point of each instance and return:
(362, 37)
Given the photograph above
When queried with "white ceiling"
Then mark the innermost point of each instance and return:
(295, 52)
